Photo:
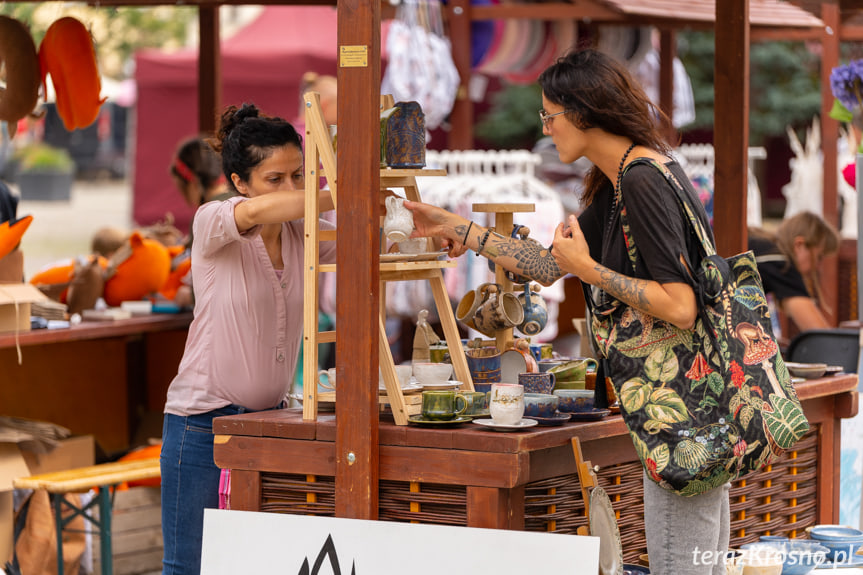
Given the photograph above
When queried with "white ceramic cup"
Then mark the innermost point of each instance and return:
(432, 373)
(506, 403)
(414, 246)
(403, 374)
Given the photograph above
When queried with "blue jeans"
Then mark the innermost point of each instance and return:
(190, 484)
(686, 535)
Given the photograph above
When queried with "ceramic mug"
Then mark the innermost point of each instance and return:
(331, 379)
(499, 311)
(537, 382)
(443, 405)
(484, 366)
(535, 310)
(573, 371)
(477, 402)
(506, 403)
(399, 221)
(469, 303)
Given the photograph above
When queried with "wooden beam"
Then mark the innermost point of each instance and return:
(829, 139)
(548, 11)
(667, 53)
(731, 129)
(461, 120)
(358, 285)
(209, 69)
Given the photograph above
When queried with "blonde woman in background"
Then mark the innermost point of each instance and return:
(789, 260)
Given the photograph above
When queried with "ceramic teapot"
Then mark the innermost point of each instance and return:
(535, 310)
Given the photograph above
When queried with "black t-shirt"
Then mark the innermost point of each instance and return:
(656, 221)
(778, 274)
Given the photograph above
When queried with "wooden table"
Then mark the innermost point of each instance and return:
(526, 480)
(99, 378)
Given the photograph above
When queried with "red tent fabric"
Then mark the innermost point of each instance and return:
(263, 63)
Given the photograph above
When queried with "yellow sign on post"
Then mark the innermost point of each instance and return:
(353, 56)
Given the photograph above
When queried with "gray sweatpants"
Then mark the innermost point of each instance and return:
(686, 535)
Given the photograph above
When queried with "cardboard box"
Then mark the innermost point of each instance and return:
(79, 451)
(70, 453)
(15, 300)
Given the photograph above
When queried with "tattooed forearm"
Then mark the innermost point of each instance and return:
(526, 257)
(630, 290)
(460, 232)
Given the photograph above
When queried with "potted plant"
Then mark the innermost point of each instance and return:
(45, 173)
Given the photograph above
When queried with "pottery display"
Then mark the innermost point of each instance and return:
(499, 311)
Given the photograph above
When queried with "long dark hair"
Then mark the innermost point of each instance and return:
(247, 137)
(599, 92)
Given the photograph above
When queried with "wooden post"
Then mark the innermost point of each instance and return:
(667, 54)
(461, 118)
(829, 138)
(209, 69)
(731, 135)
(358, 215)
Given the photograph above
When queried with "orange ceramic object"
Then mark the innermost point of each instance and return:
(18, 56)
(68, 55)
(57, 274)
(175, 279)
(10, 235)
(141, 274)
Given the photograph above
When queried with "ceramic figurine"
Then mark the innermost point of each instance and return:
(403, 136)
(424, 338)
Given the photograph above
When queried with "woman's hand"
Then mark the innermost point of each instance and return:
(432, 221)
(570, 249)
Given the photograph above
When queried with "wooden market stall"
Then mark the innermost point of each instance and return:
(362, 453)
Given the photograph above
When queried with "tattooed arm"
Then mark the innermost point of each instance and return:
(525, 257)
(672, 302)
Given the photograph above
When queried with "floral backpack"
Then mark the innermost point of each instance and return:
(706, 405)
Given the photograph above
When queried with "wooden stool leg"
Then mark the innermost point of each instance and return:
(57, 500)
(105, 530)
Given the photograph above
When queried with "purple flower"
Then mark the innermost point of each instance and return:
(846, 82)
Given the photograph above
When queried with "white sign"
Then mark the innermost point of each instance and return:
(272, 543)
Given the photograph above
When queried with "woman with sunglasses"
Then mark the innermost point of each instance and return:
(593, 108)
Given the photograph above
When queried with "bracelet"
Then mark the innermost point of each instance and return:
(482, 241)
(467, 233)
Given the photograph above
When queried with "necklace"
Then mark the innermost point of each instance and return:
(620, 169)
(617, 192)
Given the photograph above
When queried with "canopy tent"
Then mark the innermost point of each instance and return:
(262, 63)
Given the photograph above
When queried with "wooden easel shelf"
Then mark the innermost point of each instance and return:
(319, 154)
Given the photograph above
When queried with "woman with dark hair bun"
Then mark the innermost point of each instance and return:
(242, 347)
(593, 108)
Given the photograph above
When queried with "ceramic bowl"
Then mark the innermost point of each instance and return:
(799, 557)
(762, 559)
(431, 373)
(540, 404)
(827, 532)
(574, 400)
(841, 550)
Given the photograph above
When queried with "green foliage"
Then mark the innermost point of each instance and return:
(43, 158)
(784, 85)
(117, 31)
(513, 120)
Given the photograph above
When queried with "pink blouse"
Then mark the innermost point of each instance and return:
(245, 337)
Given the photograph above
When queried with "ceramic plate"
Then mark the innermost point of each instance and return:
(603, 524)
(807, 370)
(614, 408)
(635, 570)
(408, 389)
(834, 369)
(441, 385)
(512, 363)
(420, 420)
(399, 257)
(523, 424)
(592, 415)
(557, 419)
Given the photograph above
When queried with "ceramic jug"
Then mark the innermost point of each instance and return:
(535, 310)
(399, 221)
